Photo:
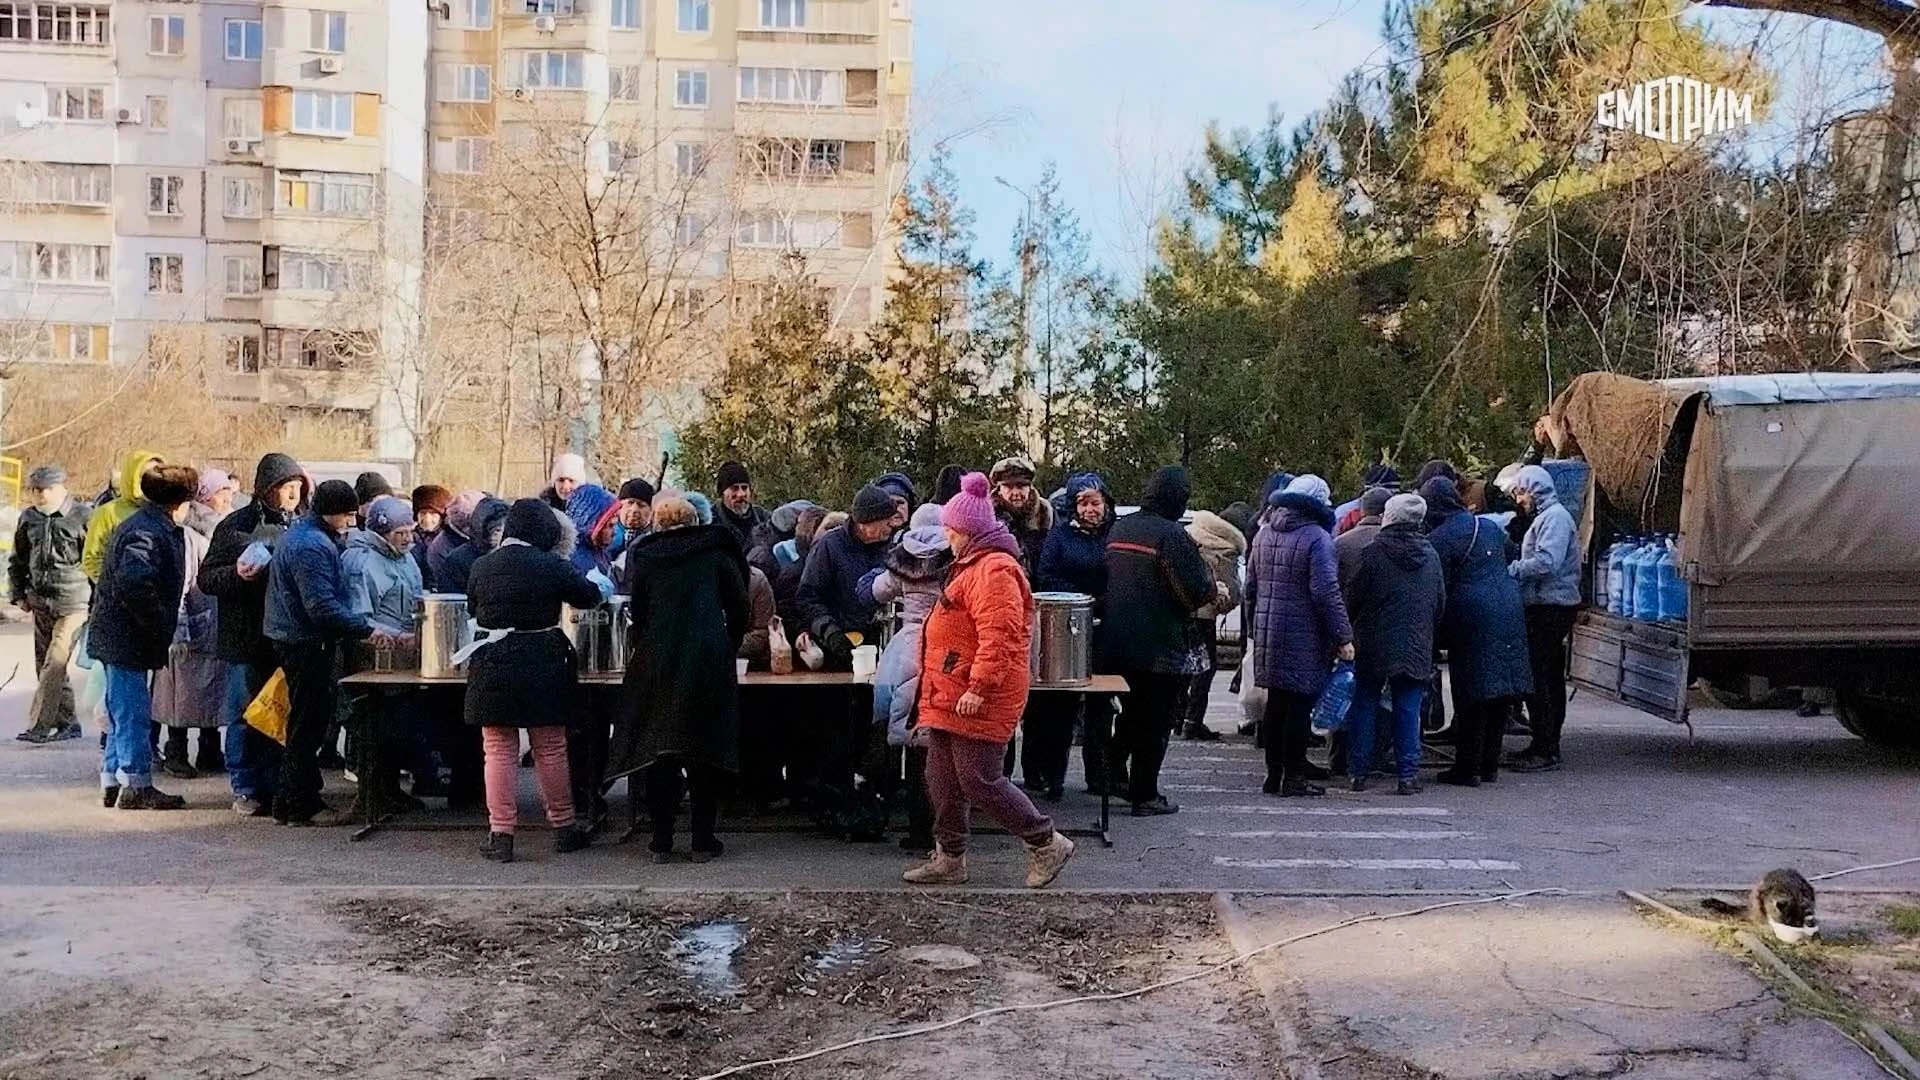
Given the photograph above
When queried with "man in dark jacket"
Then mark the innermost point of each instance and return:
(136, 609)
(1349, 545)
(240, 587)
(1027, 515)
(829, 596)
(1156, 581)
(45, 579)
(1395, 604)
(308, 616)
(733, 496)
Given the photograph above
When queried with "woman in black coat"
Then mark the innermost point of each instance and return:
(680, 714)
(527, 676)
(1484, 633)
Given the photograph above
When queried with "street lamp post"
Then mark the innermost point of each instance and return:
(1028, 271)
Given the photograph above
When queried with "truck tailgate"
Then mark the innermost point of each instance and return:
(1639, 664)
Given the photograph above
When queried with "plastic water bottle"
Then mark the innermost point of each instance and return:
(1673, 591)
(1646, 583)
(1617, 573)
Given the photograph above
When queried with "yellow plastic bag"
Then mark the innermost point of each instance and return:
(267, 714)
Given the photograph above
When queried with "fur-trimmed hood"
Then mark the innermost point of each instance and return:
(1216, 535)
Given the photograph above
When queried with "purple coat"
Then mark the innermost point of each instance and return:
(1299, 620)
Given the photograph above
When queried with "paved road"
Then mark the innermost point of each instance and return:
(1638, 805)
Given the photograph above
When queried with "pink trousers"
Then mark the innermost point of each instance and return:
(501, 745)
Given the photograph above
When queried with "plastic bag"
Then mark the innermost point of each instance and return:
(779, 652)
(813, 656)
(255, 557)
(1330, 712)
(1253, 697)
(267, 714)
(86, 677)
(603, 583)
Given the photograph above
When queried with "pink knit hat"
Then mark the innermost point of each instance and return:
(970, 512)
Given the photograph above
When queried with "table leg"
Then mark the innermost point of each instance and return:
(1103, 831)
(366, 751)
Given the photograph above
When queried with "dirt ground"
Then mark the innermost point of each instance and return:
(534, 983)
(1869, 954)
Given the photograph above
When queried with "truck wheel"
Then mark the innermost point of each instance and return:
(1883, 721)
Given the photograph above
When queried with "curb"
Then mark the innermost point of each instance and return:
(1295, 1062)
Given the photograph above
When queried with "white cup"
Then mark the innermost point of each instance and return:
(866, 660)
(740, 667)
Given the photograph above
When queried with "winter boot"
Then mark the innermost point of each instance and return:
(498, 848)
(173, 761)
(208, 757)
(148, 798)
(1045, 861)
(570, 839)
(940, 869)
(110, 796)
(705, 851)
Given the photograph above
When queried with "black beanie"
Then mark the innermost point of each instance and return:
(637, 490)
(335, 497)
(370, 486)
(731, 473)
(532, 521)
(872, 504)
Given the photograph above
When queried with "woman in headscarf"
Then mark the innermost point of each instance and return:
(1484, 632)
(523, 672)
(681, 710)
(973, 691)
(1073, 559)
(1301, 625)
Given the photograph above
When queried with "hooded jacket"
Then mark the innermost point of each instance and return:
(528, 679)
(241, 604)
(1299, 620)
(1157, 582)
(1396, 603)
(1350, 545)
(1222, 546)
(978, 639)
(136, 607)
(383, 585)
(1485, 629)
(916, 568)
(107, 518)
(491, 514)
(585, 507)
(829, 594)
(1548, 569)
(44, 565)
(307, 598)
(1074, 558)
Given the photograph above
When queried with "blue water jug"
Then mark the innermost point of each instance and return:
(1673, 590)
(1617, 574)
(1646, 583)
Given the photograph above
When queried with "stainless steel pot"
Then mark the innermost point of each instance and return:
(599, 636)
(1062, 639)
(443, 631)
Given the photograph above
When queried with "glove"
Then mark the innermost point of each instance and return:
(603, 583)
(837, 645)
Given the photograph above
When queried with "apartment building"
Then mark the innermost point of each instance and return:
(259, 180)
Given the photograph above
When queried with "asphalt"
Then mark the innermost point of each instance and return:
(1639, 805)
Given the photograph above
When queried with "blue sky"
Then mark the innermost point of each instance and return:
(1118, 92)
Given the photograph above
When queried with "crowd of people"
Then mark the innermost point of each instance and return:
(198, 612)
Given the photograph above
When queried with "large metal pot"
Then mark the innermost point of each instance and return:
(444, 631)
(599, 636)
(1062, 639)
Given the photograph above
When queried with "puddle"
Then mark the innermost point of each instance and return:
(843, 954)
(704, 953)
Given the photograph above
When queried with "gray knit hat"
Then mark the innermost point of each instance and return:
(1374, 500)
(1405, 510)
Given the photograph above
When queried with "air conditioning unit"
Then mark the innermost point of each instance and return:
(544, 23)
(332, 65)
(126, 116)
(241, 146)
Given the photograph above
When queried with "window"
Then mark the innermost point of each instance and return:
(460, 154)
(240, 118)
(76, 103)
(626, 14)
(166, 35)
(166, 274)
(466, 82)
(543, 70)
(686, 302)
(63, 343)
(624, 82)
(471, 14)
(783, 14)
(243, 276)
(320, 350)
(64, 264)
(317, 112)
(788, 86)
(790, 158)
(313, 271)
(548, 7)
(689, 160)
(72, 185)
(623, 156)
(326, 194)
(158, 115)
(244, 39)
(696, 16)
(163, 194)
(766, 228)
(690, 88)
(243, 350)
(23, 21)
(689, 229)
(328, 31)
(453, 226)
(240, 197)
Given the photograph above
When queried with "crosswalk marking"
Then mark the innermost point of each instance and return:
(1364, 864)
(1324, 811)
(1333, 834)
(1251, 758)
(1204, 789)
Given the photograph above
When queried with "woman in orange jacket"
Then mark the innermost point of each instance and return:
(973, 688)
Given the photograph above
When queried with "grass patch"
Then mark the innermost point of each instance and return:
(1903, 918)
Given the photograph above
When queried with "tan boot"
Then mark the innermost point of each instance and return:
(1045, 862)
(940, 869)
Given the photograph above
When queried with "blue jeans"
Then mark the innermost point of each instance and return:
(253, 759)
(1408, 696)
(127, 758)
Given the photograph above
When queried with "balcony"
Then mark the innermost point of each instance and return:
(37, 24)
